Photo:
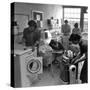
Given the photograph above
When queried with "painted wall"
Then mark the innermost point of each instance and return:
(49, 11)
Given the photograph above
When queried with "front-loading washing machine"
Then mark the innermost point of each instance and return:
(27, 67)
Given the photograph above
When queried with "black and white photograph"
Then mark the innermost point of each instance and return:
(49, 44)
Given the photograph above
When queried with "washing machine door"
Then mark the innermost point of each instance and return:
(34, 66)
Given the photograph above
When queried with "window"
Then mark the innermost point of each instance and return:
(72, 15)
(86, 22)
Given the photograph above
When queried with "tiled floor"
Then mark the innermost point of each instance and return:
(49, 78)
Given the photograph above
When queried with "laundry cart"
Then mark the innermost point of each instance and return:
(68, 70)
(69, 74)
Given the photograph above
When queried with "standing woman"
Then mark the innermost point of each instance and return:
(76, 30)
(31, 34)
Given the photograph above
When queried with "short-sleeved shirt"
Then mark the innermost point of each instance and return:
(76, 31)
(30, 36)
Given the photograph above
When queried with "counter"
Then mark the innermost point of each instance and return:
(20, 49)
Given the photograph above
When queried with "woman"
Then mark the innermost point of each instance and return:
(82, 56)
(31, 34)
(76, 30)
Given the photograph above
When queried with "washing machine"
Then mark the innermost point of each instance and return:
(27, 67)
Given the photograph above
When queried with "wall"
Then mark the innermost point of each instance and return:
(49, 10)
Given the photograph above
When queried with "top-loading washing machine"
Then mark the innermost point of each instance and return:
(27, 66)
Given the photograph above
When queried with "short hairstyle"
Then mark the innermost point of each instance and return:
(66, 21)
(32, 23)
(74, 37)
(76, 25)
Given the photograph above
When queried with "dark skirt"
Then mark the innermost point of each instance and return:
(84, 73)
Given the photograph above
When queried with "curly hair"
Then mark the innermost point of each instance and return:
(76, 25)
(74, 37)
(32, 23)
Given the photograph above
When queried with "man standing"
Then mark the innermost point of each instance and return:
(66, 30)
